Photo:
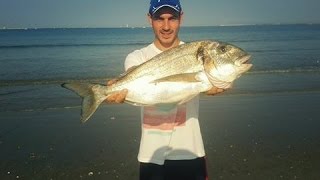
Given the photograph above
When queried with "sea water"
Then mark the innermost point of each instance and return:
(34, 62)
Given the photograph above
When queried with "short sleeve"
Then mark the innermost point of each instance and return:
(133, 59)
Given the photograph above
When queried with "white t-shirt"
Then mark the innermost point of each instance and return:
(168, 132)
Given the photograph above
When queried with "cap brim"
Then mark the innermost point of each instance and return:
(166, 5)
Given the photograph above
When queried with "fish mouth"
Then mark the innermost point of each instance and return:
(243, 60)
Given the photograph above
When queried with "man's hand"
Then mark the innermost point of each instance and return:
(117, 97)
(214, 90)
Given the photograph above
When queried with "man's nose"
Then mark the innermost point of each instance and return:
(166, 25)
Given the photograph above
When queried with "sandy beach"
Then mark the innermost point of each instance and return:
(246, 136)
(266, 127)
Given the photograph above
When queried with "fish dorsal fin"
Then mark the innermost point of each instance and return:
(185, 77)
(127, 72)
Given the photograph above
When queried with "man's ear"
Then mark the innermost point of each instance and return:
(181, 17)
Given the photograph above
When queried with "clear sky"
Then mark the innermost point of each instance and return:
(116, 13)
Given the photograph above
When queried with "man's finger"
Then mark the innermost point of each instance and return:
(121, 96)
(111, 81)
(219, 90)
(111, 98)
(214, 91)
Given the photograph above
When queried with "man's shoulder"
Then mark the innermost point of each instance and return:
(139, 56)
(144, 53)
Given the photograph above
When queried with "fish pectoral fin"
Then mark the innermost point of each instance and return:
(185, 77)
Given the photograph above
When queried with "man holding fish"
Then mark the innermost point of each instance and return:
(165, 79)
(171, 145)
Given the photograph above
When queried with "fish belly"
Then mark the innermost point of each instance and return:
(165, 92)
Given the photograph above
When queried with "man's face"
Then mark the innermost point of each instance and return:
(166, 24)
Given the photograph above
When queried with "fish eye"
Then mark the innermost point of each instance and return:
(223, 49)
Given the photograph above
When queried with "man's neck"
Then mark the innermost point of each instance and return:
(164, 47)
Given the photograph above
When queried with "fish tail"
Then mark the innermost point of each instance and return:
(92, 96)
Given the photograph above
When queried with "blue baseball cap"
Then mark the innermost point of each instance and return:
(155, 5)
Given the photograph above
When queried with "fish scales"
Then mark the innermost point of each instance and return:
(184, 61)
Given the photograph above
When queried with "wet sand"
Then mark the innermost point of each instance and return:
(246, 136)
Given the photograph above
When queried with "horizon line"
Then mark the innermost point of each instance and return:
(143, 27)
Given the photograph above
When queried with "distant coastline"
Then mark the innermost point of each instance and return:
(143, 27)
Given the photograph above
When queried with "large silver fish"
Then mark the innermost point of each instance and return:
(172, 77)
